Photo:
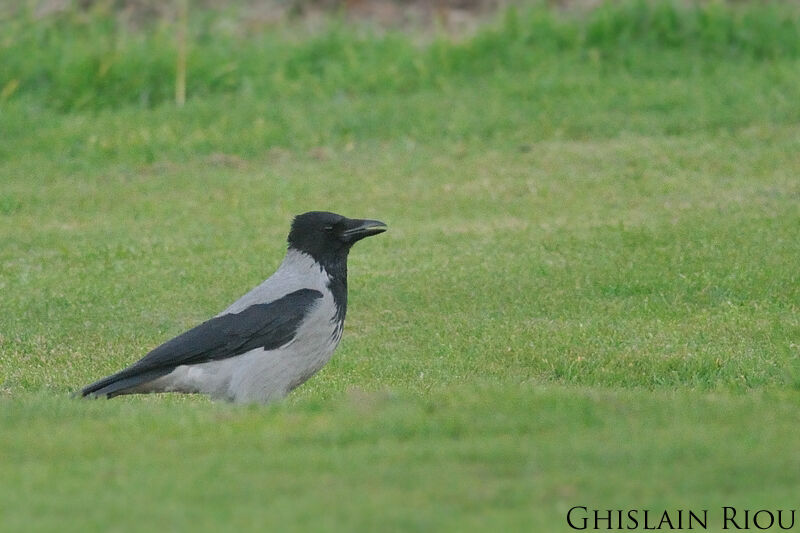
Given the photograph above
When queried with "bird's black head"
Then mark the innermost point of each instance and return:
(328, 236)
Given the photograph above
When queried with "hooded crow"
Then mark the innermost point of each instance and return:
(270, 340)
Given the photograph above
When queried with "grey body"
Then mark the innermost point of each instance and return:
(261, 375)
(270, 340)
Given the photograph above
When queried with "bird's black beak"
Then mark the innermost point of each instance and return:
(357, 229)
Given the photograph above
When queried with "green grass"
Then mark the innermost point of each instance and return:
(588, 296)
(515, 458)
(90, 59)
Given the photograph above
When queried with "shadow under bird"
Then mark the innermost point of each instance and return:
(270, 340)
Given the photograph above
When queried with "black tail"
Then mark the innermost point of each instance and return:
(125, 382)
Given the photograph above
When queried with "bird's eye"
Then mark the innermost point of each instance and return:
(328, 228)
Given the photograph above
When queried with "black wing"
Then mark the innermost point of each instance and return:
(267, 326)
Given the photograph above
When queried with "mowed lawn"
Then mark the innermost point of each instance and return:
(589, 295)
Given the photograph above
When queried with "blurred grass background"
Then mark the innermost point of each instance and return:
(96, 58)
(588, 296)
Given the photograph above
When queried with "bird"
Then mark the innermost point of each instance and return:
(269, 341)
